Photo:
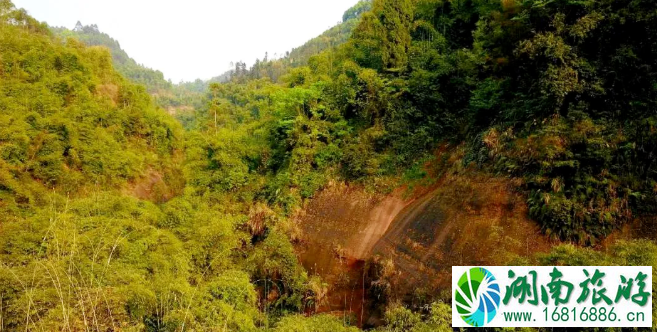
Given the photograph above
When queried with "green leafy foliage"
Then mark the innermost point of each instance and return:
(77, 251)
(400, 319)
(69, 120)
(357, 10)
(318, 323)
(178, 99)
(560, 94)
(548, 92)
(621, 253)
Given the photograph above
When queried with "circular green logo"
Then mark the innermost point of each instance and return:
(477, 296)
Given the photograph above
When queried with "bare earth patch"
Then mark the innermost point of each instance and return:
(470, 219)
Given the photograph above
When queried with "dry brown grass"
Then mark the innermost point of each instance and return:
(260, 217)
(110, 91)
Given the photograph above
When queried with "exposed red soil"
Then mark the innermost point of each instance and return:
(152, 187)
(468, 219)
(340, 228)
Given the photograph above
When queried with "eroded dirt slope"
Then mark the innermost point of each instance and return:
(470, 219)
(340, 228)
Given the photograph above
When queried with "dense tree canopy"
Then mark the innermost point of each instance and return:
(558, 93)
(117, 218)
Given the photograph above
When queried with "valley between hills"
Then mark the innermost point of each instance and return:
(334, 187)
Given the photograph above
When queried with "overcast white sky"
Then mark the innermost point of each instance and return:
(196, 38)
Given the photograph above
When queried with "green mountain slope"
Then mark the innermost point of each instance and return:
(78, 250)
(556, 96)
(115, 218)
(124, 64)
(69, 119)
(547, 92)
(333, 37)
(177, 99)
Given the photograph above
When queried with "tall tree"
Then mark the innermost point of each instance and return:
(396, 17)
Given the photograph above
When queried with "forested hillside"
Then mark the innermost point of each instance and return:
(116, 218)
(557, 93)
(128, 67)
(177, 99)
(274, 69)
(333, 37)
